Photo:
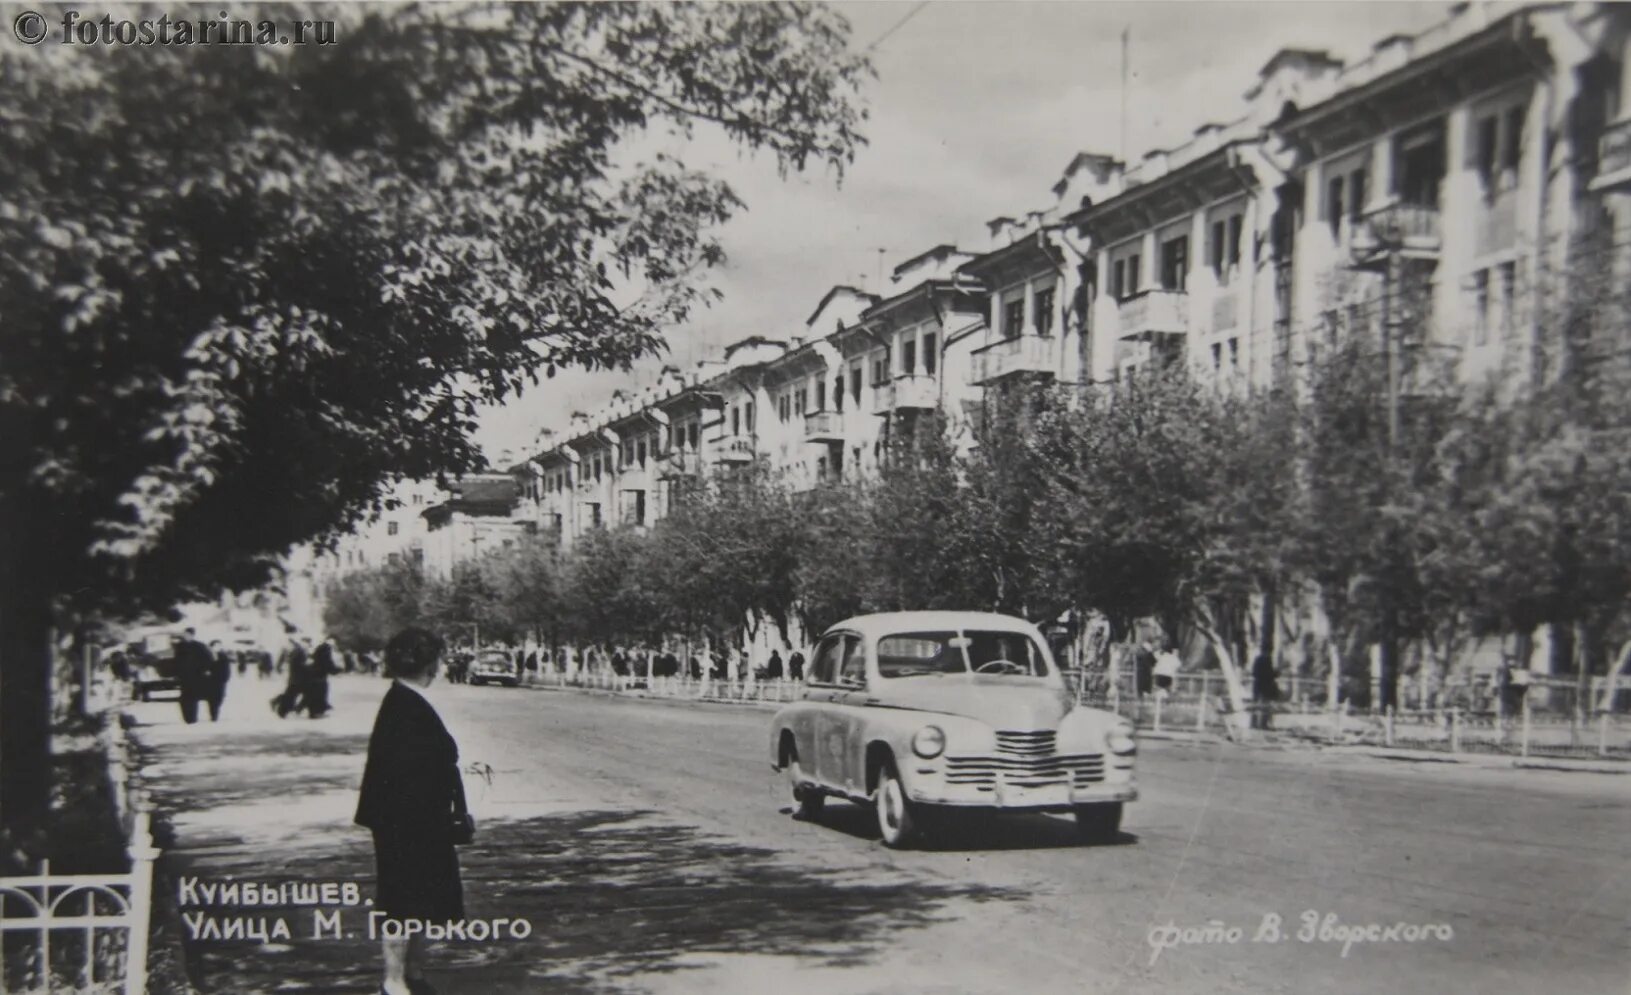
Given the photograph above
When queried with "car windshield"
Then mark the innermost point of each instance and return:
(979, 651)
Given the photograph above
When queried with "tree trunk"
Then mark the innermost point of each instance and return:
(1606, 702)
(25, 702)
(1236, 725)
(1265, 628)
(1389, 656)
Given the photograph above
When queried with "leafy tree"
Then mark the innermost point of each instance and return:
(229, 322)
(363, 610)
(526, 580)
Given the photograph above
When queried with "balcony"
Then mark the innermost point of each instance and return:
(735, 450)
(1154, 312)
(1027, 354)
(823, 426)
(678, 463)
(906, 392)
(1414, 230)
(1495, 224)
(1614, 157)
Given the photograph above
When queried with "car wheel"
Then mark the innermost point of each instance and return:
(1099, 823)
(897, 823)
(810, 799)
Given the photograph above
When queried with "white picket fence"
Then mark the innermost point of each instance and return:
(105, 917)
(678, 688)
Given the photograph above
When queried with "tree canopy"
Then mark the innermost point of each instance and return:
(245, 286)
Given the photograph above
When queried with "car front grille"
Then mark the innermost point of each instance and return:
(1026, 760)
(1025, 744)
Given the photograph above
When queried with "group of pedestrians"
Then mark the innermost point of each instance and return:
(202, 673)
(307, 687)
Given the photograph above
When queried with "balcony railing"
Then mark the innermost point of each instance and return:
(1154, 312)
(1614, 157)
(1025, 354)
(1495, 226)
(735, 450)
(678, 463)
(906, 392)
(824, 426)
(1412, 229)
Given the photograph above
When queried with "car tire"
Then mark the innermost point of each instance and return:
(808, 798)
(1099, 823)
(897, 821)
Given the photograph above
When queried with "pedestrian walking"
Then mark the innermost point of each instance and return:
(412, 800)
(773, 667)
(294, 664)
(1265, 690)
(219, 672)
(316, 691)
(1166, 670)
(795, 666)
(193, 665)
(1144, 667)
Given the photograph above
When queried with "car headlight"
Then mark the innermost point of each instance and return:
(1120, 740)
(929, 742)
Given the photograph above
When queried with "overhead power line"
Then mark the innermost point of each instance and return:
(898, 24)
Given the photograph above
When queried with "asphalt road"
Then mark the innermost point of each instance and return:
(653, 849)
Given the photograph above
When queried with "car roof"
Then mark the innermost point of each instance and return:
(885, 623)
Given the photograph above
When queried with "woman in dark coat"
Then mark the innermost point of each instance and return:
(407, 799)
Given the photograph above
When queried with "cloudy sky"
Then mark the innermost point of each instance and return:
(978, 106)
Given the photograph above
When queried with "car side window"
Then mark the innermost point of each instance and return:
(853, 672)
(824, 669)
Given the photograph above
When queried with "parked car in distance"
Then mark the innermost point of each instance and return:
(917, 712)
(151, 657)
(495, 667)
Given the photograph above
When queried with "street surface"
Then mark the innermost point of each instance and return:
(652, 850)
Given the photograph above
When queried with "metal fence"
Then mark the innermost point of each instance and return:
(84, 933)
(1464, 718)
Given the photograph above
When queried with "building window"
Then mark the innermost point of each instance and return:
(1124, 277)
(747, 416)
(390, 528)
(1175, 263)
(1509, 298)
(1234, 356)
(1217, 358)
(931, 356)
(1044, 311)
(1218, 250)
(1333, 204)
(838, 392)
(640, 449)
(855, 383)
(880, 369)
(1480, 307)
(908, 356)
(1013, 316)
(821, 395)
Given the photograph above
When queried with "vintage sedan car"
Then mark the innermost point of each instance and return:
(914, 713)
(495, 667)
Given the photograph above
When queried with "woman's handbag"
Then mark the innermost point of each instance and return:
(463, 828)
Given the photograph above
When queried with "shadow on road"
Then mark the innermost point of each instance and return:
(957, 832)
(610, 896)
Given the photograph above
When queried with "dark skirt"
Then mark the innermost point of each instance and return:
(418, 877)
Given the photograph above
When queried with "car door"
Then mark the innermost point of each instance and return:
(850, 712)
(825, 752)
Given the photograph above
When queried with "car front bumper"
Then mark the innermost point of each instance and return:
(1058, 797)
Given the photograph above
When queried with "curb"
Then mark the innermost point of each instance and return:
(1493, 761)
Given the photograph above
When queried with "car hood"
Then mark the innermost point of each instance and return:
(999, 704)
